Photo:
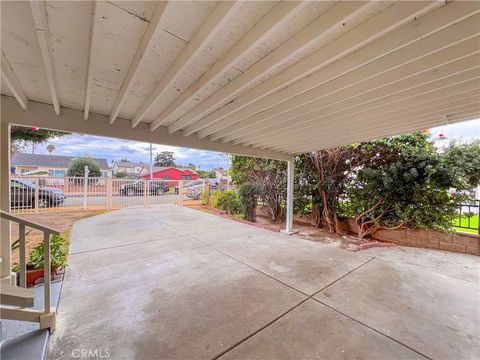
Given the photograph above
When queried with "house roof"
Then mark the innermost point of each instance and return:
(162, 168)
(129, 164)
(56, 161)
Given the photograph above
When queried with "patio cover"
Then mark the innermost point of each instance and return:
(266, 79)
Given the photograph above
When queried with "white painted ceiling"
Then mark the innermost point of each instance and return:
(286, 77)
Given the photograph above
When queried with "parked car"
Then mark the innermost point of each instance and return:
(22, 195)
(136, 188)
(194, 189)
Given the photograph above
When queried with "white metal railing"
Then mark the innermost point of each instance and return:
(47, 272)
(46, 194)
(37, 194)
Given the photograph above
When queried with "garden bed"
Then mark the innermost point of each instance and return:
(303, 228)
(423, 238)
(62, 222)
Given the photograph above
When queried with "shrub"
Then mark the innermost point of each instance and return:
(58, 253)
(248, 194)
(120, 174)
(215, 196)
(77, 167)
(229, 201)
(205, 196)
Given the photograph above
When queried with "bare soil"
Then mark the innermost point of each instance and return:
(305, 230)
(63, 222)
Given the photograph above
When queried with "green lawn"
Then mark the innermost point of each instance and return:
(473, 223)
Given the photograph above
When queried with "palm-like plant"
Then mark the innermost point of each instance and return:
(50, 148)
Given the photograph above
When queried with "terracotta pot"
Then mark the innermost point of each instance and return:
(33, 275)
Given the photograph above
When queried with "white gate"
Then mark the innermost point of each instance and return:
(46, 194)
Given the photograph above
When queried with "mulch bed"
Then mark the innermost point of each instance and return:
(306, 231)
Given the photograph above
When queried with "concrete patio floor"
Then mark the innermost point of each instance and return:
(173, 283)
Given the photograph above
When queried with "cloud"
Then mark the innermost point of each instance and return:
(115, 149)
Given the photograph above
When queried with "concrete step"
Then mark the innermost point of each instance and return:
(16, 296)
(31, 346)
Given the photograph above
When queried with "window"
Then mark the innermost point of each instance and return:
(186, 177)
(165, 177)
(59, 173)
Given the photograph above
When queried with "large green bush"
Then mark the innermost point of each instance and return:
(227, 200)
(411, 184)
(77, 167)
(270, 177)
(249, 194)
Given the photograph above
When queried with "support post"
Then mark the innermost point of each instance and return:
(146, 192)
(180, 193)
(5, 203)
(47, 273)
(22, 256)
(289, 209)
(37, 195)
(109, 194)
(85, 188)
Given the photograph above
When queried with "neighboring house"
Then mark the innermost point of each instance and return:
(130, 168)
(54, 165)
(221, 175)
(173, 173)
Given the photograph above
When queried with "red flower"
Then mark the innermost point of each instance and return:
(35, 129)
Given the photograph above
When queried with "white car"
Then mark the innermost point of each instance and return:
(194, 188)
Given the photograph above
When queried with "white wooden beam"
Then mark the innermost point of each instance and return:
(463, 116)
(399, 105)
(425, 124)
(452, 74)
(359, 124)
(354, 134)
(326, 24)
(93, 51)
(143, 48)
(418, 57)
(13, 84)
(334, 96)
(39, 15)
(71, 120)
(217, 18)
(369, 31)
(270, 23)
(5, 226)
(402, 44)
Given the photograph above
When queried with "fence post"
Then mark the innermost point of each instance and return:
(109, 194)
(145, 194)
(85, 188)
(180, 192)
(37, 194)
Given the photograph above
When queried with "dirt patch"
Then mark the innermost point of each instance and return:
(62, 222)
(305, 230)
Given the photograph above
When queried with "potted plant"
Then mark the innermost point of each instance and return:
(35, 261)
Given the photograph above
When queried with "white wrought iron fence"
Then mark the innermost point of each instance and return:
(46, 194)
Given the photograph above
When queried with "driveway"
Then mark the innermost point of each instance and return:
(168, 282)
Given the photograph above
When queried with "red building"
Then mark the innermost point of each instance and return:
(172, 173)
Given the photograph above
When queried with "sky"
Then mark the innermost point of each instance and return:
(114, 149)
